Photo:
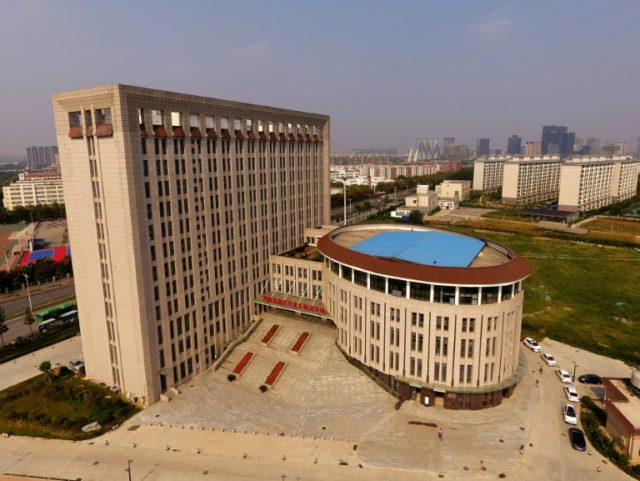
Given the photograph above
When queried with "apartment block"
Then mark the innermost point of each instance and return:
(175, 203)
(531, 179)
(488, 173)
(588, 183)
(34, 188)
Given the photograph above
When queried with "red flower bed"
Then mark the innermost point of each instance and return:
(241, 366)
(275, 373)
(272, 332)
(297, 347)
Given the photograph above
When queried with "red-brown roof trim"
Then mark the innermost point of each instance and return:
(251, 135)
(195, 133)
(225, 134)
(239, 135)
(143, 131)
(178, 132)
(211, 133)
(75, 132)
(262, 136)
(513, 270)
(104, 130)
(283, 137)
(159, 131)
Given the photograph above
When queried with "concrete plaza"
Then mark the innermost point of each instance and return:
(325, 419)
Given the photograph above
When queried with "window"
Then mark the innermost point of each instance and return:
(469, 295)
(397, 287)
(444, 294)
(420, 292)
(377, 283)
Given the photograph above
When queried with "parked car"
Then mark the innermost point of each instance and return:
(75, 365)
(563, 375)
(569, 413)
(549, 359)
(571, 394)
(576, 437)
(532, 344)
(590, 379)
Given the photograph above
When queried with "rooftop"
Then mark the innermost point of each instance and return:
(423, 246)
(631, 408)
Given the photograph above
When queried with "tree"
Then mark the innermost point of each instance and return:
(45, 367)
(3, 324)
(416, 217)
(28, 319)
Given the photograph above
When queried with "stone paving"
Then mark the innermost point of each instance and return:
(320, 394)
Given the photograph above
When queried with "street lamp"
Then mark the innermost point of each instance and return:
(344, 204)
(129, 468)
(574, 370)
(26, 278)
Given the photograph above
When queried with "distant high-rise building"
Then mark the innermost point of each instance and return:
(532, 149)
(447, 144)
(482, 147)
(38, 157)
(556, 140)
(621, 147)
(594, 145)
(514, 145)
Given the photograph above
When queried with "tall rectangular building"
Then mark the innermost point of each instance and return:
(174, 204)
(488, 173)
(531, 179)
(482, 147)
(514, 145)
(588, 183)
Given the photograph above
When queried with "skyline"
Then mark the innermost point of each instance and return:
(386, 77)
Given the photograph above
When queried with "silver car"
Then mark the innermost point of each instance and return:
(569, 413)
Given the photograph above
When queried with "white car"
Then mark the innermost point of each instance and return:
(571, 394)
(532, 344)
(564, 375)
(75, 365)
(569, 413)
(549, 359)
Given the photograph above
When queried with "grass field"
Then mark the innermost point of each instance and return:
(581, 294)
(607, 224)
(60, 407)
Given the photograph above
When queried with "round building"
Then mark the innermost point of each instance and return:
(434, 315)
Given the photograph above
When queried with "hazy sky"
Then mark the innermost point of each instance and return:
(387, 72)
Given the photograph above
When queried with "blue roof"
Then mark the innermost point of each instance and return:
(423, 247)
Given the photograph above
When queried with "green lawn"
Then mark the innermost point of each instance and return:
(59, 408)
(581, 294)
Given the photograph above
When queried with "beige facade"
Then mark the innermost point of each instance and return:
(454, 343)
(454, 189)
(174, 204)
(533, 149)
(424, 199)
(588, 183)
(28, 191)
(488, 173)
(531, 179)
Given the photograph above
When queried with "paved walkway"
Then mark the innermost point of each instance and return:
(26, 367)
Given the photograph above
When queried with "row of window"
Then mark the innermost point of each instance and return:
(426, 292)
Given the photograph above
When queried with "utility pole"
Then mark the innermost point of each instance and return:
(26, 278)
(344, 189)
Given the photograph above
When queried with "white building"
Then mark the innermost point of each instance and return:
(588, 183)
(34, 189)
(488, 172)
(424, 199)
(531, 179)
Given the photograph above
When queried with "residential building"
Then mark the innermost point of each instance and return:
(594, 146)
(488, 173)
(482, 147)
(533, 149)
(531, 179)
(514, 145)
(175, 203)
(38, 157)
(434, 315)
(454, 189)
(588, 183)
(34, 188)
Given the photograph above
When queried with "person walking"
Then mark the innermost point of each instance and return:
(440, 433)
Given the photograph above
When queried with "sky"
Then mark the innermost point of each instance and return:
(387, 72)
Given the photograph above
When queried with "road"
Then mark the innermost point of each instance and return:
(16, 306)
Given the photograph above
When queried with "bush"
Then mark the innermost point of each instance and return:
(231, 377)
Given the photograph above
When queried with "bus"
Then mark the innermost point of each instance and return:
(50, 314)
